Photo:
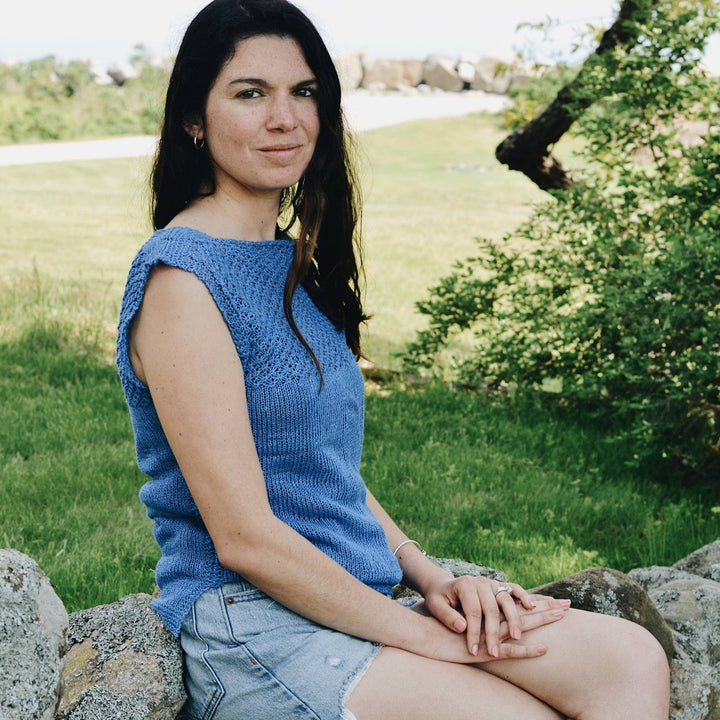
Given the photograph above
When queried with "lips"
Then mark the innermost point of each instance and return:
(281, 149)
(283, 155)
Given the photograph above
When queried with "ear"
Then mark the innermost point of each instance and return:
(194, 128)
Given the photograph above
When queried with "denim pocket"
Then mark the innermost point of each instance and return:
(204, 687)
(250, 613)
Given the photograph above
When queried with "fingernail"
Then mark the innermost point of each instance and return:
(475, 650)
(566, 603)
(495, 652)
(459, 625)
(559, 613)
(516, 634)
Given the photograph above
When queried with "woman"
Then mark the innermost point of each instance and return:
(237, 348)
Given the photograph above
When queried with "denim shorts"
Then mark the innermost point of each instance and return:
(248, 657)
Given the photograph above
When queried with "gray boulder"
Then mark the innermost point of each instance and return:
(489, 76)
(392, 74)
(101, 703)
(691, 606)
(611, 592)
(350, 71)
(688, 597)
(439, 72)
(704, 562)
(459, 568)
(33, 627)
(694, 691)
(121, 655)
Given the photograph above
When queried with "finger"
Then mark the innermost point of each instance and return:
(545, 603)
(509, 607)
(474, 598)
(512, 650)
(492, 617)
(535, 598)
(515, 652)
(448, 616)
(525, 598)
(532, 620)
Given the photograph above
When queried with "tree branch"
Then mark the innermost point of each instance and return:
(527, 148)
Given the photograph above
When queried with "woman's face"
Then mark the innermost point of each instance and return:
(261, 118)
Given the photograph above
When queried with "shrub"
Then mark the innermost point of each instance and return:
(609, 295)
(47, 99)
(532, 96)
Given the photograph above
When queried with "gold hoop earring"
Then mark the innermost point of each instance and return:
(199, 144)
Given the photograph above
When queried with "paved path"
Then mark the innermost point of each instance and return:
(364, 111)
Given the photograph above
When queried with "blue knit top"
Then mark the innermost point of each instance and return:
(308, 437)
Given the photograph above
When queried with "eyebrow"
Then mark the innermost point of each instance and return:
(264, 83)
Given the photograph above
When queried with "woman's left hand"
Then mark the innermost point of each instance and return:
(465, 603)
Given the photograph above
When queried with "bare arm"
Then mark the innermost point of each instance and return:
(182, 349)
(463, 604)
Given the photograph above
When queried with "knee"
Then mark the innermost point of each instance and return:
(647, 663)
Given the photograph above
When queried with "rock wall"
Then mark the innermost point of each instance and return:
(436, 72)
(117, 662)
(357, 72)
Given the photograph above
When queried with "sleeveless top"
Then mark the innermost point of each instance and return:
(308, 437)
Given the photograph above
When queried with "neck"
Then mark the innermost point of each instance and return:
(253, 218)
(221, 215)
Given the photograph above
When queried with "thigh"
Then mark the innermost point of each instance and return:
(596, 666)
(402, 686)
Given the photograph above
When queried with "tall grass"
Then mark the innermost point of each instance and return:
(511, 484)
(68, 479)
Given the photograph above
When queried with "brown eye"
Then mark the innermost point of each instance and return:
(248, 94)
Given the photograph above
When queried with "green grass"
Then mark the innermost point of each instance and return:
(430, 188)
(73, 222)
(508, 484)
(82, 222)
(525, 488)
(68, 494)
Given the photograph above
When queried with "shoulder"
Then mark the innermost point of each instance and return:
(173, 242)
(171, 258)
(178, 285)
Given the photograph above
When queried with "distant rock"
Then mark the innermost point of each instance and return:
(391, 74)
(492, 76)
(439, 72)
(120, 74)
(350, 71)
(466, 71)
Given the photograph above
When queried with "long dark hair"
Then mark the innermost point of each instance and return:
(324, 205)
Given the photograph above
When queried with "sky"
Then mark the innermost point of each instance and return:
(106, 33)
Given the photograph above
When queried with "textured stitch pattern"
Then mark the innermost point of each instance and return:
(309, 440)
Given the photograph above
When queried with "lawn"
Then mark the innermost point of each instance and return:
(509, 483)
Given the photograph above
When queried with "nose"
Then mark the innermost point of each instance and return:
(281, 115)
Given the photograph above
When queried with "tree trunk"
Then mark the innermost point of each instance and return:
(527, 148)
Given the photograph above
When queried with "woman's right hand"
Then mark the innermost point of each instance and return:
(443, 644)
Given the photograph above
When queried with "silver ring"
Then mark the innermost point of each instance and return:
(503, 588)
